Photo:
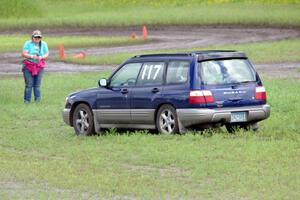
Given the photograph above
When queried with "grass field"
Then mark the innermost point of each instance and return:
(259, 52)
(92, 13)
(41, 158)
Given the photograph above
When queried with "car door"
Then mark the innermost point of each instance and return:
(113, 103)
(148, 92)
(176, 88)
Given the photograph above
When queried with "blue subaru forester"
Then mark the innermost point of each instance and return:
(172, 92)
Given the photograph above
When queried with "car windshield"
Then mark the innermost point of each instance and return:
(215, 72)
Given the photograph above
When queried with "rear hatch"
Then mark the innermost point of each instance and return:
(232, 83)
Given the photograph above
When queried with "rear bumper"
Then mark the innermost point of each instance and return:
(194, 116)
(66, 116)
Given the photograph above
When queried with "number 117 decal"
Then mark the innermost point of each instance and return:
(151, 71)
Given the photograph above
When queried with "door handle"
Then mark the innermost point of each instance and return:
(124, 91)
(155, 90)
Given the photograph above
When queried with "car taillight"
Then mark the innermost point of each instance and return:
(260, 93)
(201, 96)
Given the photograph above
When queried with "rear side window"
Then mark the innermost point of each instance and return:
(151, 74)
(216, 72)
(177, 72)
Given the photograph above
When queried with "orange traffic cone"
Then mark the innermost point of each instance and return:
(62, 52)
(133, 35)
(145, 33)
(80, 55)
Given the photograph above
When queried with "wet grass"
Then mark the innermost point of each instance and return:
(41, 158)
(260, 52)
(97, 13)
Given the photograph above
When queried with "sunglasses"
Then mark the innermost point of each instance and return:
(38, 37)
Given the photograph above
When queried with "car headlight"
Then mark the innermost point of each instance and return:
(66, 100)
(67, 103)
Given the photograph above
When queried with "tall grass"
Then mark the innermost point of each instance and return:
(19, 9)
(41, 158)
(174, 3)
(127, 13)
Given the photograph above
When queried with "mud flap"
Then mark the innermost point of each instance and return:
(181, 128)
(97, 125)
(254, 126)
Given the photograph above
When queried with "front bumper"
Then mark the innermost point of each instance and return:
(194, 116)
(66, 116)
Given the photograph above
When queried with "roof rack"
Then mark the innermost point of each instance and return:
(164, 54)
(202, 55)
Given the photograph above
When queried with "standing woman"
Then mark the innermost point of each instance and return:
(35, 51)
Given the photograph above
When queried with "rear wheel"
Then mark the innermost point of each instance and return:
(83, 121)
(166, 120)
(231, 128)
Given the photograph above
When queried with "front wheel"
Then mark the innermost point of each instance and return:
(83, 121)
(166, 120)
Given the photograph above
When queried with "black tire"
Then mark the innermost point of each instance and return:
(231, 128)
(83, 120)
(166, 120)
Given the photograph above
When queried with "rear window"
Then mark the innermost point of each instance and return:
(215, 72)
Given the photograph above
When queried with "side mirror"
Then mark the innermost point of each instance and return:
(102, 82)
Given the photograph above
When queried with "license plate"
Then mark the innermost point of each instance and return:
(238, 117)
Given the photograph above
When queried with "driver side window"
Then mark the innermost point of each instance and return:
(126, 76)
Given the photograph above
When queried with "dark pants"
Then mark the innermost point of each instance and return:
(32, 82)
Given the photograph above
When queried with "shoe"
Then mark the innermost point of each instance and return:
(38, 100)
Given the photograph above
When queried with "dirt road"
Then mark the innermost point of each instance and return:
(163, 38)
